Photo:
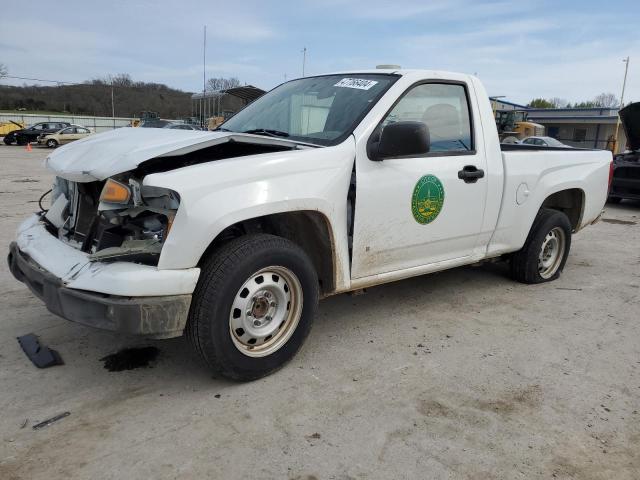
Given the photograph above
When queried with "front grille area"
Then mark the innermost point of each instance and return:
(81, 216)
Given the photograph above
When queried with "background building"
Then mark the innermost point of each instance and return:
(222, 103)
(580, 127)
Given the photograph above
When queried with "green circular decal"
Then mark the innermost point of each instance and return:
(427, 199)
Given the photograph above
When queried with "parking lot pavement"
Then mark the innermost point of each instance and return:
(461, 374)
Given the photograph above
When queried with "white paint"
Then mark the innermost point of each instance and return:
(100, 156)
(478, 220)
(75, 270)
(522, 194)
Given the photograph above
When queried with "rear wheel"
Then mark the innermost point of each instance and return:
(253, 306)
(545, 251)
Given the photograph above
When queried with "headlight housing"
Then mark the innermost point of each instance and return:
(115, 192)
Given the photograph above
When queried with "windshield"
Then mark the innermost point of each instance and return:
(320, 110)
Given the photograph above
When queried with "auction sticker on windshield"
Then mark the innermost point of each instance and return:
(359, 83)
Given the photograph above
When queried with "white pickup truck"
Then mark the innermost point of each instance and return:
(324, 185)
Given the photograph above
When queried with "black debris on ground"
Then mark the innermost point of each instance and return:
(51, 420)
(41, 355)
(130, 358)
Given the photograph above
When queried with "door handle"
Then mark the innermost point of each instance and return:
(470, 174)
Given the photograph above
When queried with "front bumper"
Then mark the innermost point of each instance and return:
(158, 317)
(119, 296)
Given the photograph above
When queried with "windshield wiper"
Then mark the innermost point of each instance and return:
(220, 129)
(267, 132)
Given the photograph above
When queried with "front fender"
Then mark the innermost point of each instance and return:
(216, 195)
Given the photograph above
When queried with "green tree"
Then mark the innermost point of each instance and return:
(540, 103)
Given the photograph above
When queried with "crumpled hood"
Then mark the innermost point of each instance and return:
(100, 156)
(630, 117)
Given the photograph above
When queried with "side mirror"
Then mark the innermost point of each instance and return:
(400, 139)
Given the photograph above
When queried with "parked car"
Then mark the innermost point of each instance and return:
(66, 135)
(31, 134)
(544, 142)
(182, 126)
(626, 166)
(154, 123)
(232, 236)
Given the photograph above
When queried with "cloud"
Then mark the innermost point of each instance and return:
(520, 49)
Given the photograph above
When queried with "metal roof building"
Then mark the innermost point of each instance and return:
(580, 127)
(223, 103)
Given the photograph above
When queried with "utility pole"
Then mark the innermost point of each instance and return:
(113, 108)
(624, 84)
(204, 75)
(494, 101)
(304, 59)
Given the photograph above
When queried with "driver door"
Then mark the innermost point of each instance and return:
(421, 209)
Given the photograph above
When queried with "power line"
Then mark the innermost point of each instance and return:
(41, 80)
(102, 84)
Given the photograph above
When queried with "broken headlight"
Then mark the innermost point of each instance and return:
(134, 221)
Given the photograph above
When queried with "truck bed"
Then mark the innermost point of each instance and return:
(510, 147)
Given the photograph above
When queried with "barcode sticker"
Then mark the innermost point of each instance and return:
(359, 83)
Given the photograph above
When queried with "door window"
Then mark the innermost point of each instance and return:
(444, 108)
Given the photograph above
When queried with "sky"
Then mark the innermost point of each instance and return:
(520, 49)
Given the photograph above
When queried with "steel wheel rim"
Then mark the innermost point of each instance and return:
(551, 252)
(265, 311)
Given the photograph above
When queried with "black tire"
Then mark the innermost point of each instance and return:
(51, 143)
(224, 272)
(7, 140)
(524, 263)
(614, 200)
(21, 140)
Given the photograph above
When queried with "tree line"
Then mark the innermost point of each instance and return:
(93, 97)
(604, 100)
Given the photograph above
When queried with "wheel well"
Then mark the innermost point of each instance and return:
(570, 202)
(310, 230)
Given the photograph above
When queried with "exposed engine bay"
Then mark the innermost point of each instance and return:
(120, 219)
(116, 219)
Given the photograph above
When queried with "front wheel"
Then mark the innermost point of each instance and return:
(545, 251)
(253, 306)
(51, 143)
(7, 140)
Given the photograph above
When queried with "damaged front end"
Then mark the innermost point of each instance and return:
(118, 219)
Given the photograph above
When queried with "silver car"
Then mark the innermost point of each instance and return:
(544, 142)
